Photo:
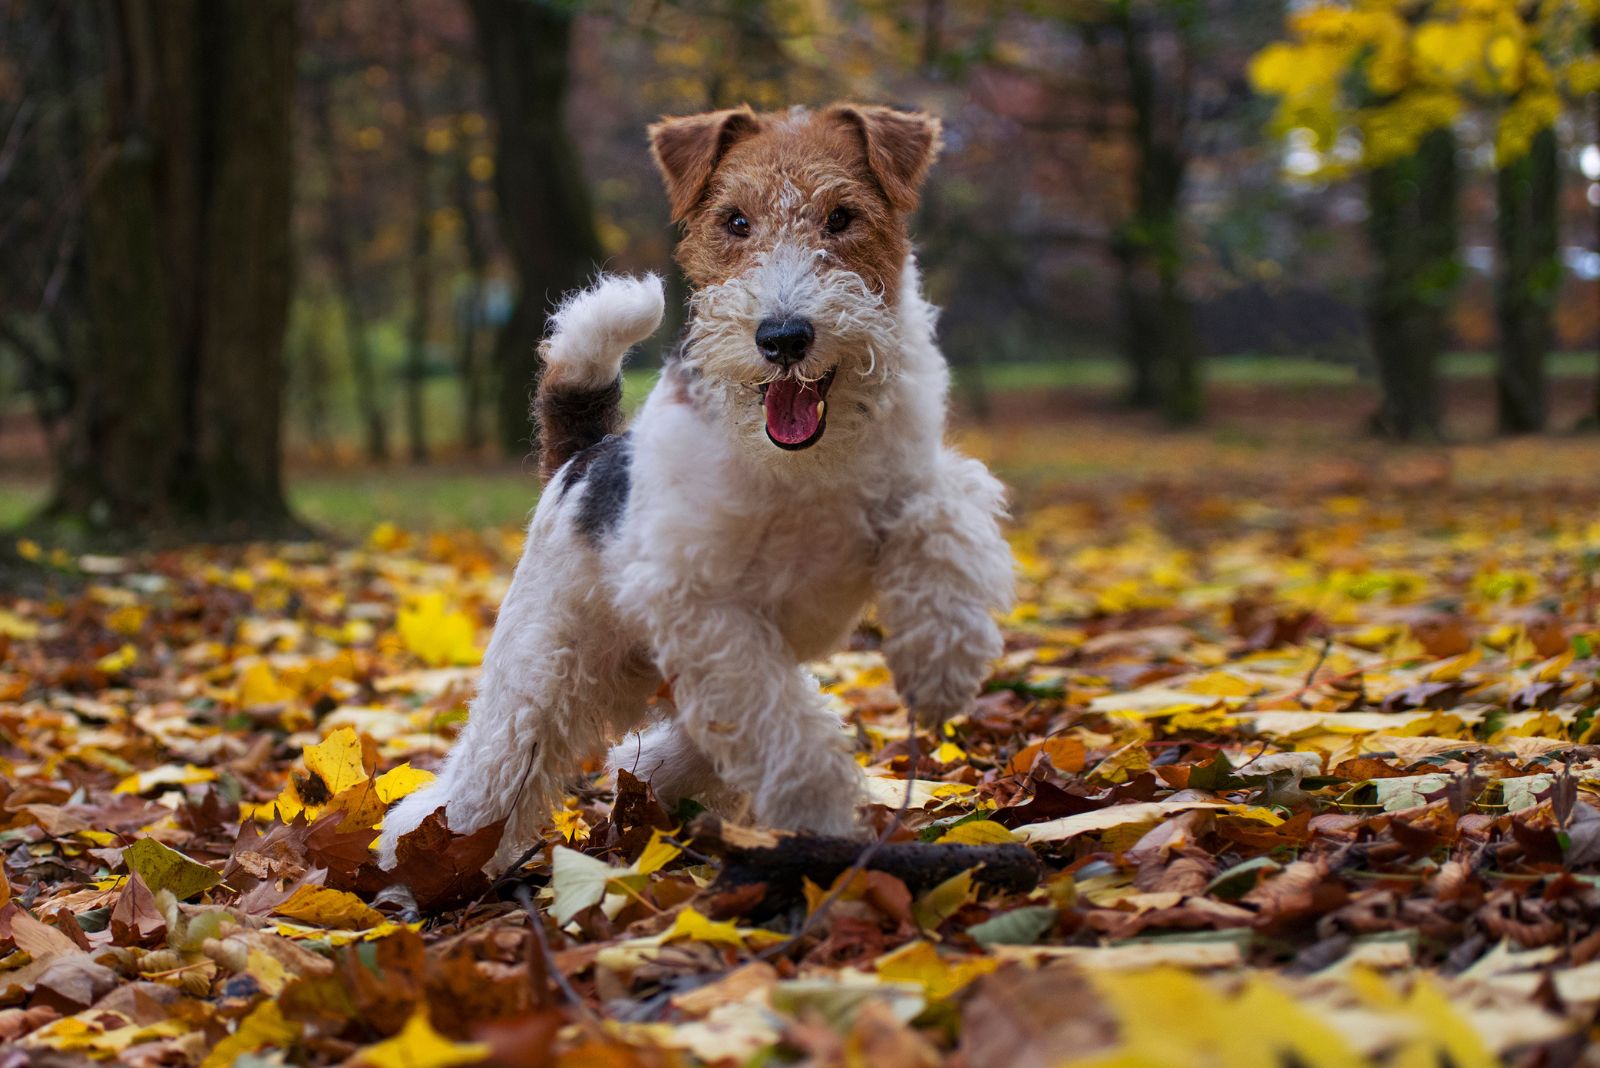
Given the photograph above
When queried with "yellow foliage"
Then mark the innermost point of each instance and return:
(436, 635)
(418, 1045)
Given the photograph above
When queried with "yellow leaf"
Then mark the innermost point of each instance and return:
(5, 889)
(1450, 670)
(1551, 669)
(418, 1045)
(943, 901)
(14, 626)
(259, 686)
(397, 782)
(97, 1039)
(119, 661)
(656, 855)
(128, 620)
(978, 832)
(1124, 763)
(921, 963)
(338, 909)
(264, 1028)
(336, 760)
(164, 868)
(166, 775)
(695, 927)
(949, 753)
(570, 825)
(435, 635)
(692, 925)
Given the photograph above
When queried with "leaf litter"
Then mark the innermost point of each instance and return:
(1302, 775)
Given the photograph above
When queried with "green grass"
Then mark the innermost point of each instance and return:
(351, 503)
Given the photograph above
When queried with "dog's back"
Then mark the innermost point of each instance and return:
(579, 399)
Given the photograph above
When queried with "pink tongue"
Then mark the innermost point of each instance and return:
(792, 410)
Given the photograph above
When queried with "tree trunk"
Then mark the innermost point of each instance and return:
(341, 256)
(544, 206)
(1139, 336)
(1529, 282)
(1412, 226)
(421, 265)
(1162, 351)
(469, 307)
(188, 260)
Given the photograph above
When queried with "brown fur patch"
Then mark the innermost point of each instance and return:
(572, 418)
(786, 172)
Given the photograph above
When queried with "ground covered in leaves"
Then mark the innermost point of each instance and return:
(1301, 769)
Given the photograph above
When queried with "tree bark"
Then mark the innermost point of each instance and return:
(188, 261)
(421, 265)
(1529, 282)
(544, 205)
(1160, 345)
(1412, 226)
(341, 256)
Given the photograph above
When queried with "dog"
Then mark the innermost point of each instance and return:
(788, 466)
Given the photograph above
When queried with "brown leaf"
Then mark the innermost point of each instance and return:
(441, 868)
(135, 920)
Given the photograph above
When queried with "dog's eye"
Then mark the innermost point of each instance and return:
(838, 219)
(738, 225)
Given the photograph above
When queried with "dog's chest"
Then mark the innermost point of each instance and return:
(814, 571)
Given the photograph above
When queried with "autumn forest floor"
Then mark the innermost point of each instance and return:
(1298, 729)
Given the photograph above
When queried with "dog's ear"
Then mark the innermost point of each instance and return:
(900, 146)
(688, 149)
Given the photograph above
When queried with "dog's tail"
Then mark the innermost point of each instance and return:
(579, 400)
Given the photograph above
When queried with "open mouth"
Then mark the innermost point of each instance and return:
(797, 411)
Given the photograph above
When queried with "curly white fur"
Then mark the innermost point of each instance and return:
(595, 327)
(733, 563)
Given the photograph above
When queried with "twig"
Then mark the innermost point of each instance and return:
(543, 968)
(1311, 676)
(848, 876)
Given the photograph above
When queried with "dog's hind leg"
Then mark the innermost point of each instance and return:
(666, 757)
(557, 682)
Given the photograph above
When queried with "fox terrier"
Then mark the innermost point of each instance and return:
(788, 466)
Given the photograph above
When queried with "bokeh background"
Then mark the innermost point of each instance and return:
(268, 265)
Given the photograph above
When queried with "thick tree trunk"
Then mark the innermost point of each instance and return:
(1161, 349)
(341, 256)
(1529, 282)
(188, 261)
(1139, 336)
(1412, 226)
(421, 265)
(544, 205)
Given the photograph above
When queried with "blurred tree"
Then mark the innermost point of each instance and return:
(419, 265)
(470, 304)
(43, 156)
(545, 214)
(337, 245)
(188, 266)
(1160, 343)
(1411, 221)
(1363, 67)
(1402, 74)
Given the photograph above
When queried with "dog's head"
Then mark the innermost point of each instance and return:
(794, 239)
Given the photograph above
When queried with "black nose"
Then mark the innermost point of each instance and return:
(784, 341)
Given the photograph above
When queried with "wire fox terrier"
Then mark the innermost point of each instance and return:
(788, 466)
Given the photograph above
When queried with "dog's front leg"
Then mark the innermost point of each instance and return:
(759, 717)
(944, 569)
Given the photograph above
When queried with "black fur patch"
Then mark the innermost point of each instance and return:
(605, 472)
(571, 420)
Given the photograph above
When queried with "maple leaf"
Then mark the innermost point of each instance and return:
(437, 635)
